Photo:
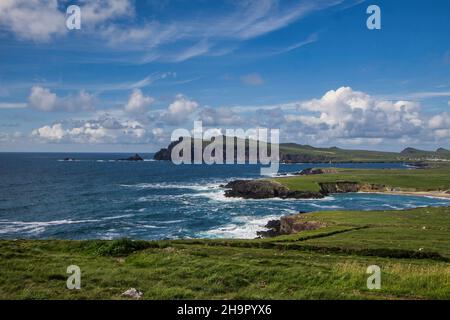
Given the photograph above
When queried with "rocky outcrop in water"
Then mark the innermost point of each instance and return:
(273, 229)
(136, 157)
(292, 224)
(263, 189)
(166, 153)
(288, 225)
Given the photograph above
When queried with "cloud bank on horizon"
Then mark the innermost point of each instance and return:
(137, 70)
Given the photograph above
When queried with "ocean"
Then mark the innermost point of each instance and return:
(97, 197)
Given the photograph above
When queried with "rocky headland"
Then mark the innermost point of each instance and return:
(265, 189)
(288, 225)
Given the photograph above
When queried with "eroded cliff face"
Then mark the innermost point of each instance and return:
(264, 189)
(292, 224)
(288, 225)
(368, 187)
(349, 186)
(338, 187)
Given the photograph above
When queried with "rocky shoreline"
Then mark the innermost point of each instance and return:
(288, 225)
(266, 189)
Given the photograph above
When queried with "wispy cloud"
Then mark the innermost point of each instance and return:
(113, 23)
(429, 94)
(6, 105)
(311, 39)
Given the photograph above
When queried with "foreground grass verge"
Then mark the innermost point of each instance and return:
(412, 247)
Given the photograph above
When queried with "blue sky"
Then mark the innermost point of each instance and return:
(139, 69)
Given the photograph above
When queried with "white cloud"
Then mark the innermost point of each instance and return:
(6, 137)
(195, 50)
(442, 133)
(158, 131)
(252, 79)
(440, 121)
(342, 117)
(344, 113)
(50, 133)
(151, 79)
(180, 110)
(311, 39)
(138, 102)
(98, 131)
(37, 20)
(99, 11)
(116, 23)
(44, 100)
(429, 94)
(220, 116)
(42, 20)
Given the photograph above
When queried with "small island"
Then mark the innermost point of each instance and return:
(136, 157)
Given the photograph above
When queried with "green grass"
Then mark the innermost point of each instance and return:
(431, 179)
(341, 155)
(348, 155)
(327, 263)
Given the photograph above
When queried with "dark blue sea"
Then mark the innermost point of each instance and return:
(96, 197)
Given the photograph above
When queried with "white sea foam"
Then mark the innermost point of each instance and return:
(391, 206)
(149, 226)
(36, 226)
(40, 226)
(118, 217)
(171, 221)
(325, 206)
(325, 199)
(195, 187)
(242, 227)
(109, 234)
(218, 196)
(440, 198)
(284, 174)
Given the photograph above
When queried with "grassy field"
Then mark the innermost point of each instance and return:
(431, 179)
(341, 155)
(412, 248)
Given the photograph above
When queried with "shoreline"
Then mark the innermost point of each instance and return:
(430, 194)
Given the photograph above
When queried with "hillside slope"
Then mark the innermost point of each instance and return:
(297, 153)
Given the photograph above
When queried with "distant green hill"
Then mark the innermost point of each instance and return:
(297, 153)
(413, 153)
(291, 152)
